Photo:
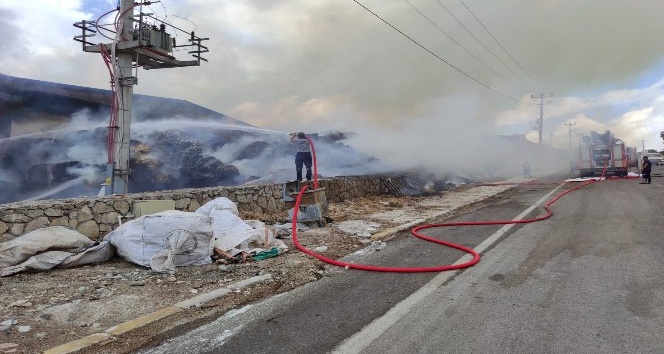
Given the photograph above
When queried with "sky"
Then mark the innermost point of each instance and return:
(418, 80)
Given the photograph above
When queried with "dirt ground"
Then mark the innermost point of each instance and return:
(39, 311)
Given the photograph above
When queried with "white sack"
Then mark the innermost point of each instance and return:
(97, 253)
(261, 239)
(221, 203)
(177, 243)
(228, 229)
(53, 247)
(40, 262)
(185, 235)
(234, 235)
(23, 247)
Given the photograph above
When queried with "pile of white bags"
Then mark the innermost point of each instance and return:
(170, 239)
(165, 240)
(233, 235)
(161, 241)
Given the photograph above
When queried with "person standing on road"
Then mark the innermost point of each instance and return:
(526, 169)
(645, 170)
(302, 154)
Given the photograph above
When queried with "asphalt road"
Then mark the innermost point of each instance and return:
(587, 280)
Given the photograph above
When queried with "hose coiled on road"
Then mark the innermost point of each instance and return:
(414, 232)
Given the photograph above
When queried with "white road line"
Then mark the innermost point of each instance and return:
(362, 339)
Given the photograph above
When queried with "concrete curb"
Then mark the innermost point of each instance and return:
(108, 336)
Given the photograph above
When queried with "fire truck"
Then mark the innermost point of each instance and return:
(603, 154)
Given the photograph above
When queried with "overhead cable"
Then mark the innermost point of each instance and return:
(480, 42)
(440, 58)
(501, 46)
(452, 39)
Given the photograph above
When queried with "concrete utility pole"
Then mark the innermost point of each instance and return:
(138, 41)
(569, 125)
(541, 117)
(120, 173)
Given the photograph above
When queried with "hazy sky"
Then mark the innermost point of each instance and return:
(415, 84)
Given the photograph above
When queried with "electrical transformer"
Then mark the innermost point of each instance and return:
(157, 38)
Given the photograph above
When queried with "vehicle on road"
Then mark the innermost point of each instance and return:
(654, 157)
(602, 154)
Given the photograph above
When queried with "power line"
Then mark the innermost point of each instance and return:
(438, 57)
(452, 39)
(501, 46)
(480, 42)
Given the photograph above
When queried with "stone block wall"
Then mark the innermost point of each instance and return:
(97, 216)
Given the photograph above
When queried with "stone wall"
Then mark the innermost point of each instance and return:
(97, 216)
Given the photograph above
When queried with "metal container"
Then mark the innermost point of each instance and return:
(313, 204)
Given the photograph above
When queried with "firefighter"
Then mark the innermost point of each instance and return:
(302, 154)
(645, 170)
(526, 169)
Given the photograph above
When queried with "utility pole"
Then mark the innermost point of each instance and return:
(569, 125)
(137, 41)
(118, 171)
(541, 117)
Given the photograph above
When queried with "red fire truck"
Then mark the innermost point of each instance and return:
(603, 154)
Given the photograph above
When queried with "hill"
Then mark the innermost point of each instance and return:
(53, 144)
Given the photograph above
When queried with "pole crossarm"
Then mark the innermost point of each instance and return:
(149, 56)
(86, 32)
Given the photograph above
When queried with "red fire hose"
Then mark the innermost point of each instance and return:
(414, 232)
(313, 154)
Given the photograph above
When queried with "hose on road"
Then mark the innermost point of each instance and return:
(414, 232)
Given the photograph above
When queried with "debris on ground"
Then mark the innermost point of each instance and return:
(42, 310)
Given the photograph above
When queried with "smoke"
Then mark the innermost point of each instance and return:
(317, 66)
(320, 66)
(435, 140)
(166, 153)
(329, 57)
(319, 50)
(89, 174)
(273, 156)
(186, 153)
